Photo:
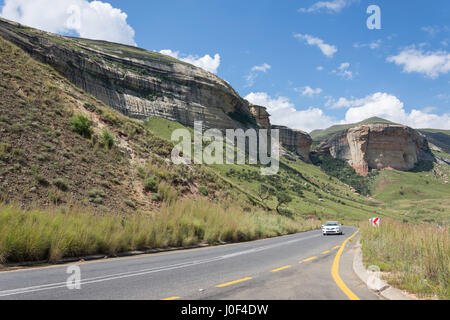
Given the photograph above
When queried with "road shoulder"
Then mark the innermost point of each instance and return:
(372, 280)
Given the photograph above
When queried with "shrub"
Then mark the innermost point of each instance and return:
(5, 150)
(167, 192)
(107, 138)
(156, 197)
(203, 190)
(96, 196)
(42, 180)
(61, 184)
(55, 196)
(286, 212)
(130, 203)
(150, 184)
(110, 118)
(82, 125)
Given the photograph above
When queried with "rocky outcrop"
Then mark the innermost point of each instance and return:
(379, 146)
(261, 115)
(137, 82)
(142, 84)
(295, 141)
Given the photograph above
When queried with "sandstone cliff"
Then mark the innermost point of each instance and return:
(136, 82)
(379, 146)
(261, 115)
(142, 84)
(295, 141)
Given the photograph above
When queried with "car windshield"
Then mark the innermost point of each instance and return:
(331, 224)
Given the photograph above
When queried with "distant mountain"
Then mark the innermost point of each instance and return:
(319, 136)
(440, 138)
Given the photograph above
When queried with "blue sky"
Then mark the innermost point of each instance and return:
(312, 63)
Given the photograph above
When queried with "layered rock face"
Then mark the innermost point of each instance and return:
(137, 82)
(379, 146)
(296, 141)
(261, 115)
(142, 84)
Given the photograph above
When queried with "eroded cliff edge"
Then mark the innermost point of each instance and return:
(136, 82)
(296, 141)
(142, 84)
(379, 146)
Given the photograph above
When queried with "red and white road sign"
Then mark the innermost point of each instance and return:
(375, 222)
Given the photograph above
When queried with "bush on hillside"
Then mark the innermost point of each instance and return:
(82, 125)
(107, 138)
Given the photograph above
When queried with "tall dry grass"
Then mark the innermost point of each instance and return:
(38, 234)
(416, 257)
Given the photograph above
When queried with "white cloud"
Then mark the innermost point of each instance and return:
(263, 68)
(434, 30)
(389, 107)
(206, 62)
(444, 97)
(372, 45)
(327, 49)
(343, 71)
(344, 65)
(334, 6)
(308, 91)
(251, 77)
(94, 20)
(319, 68)
(283, 112)
(431, 63)
(379, 104)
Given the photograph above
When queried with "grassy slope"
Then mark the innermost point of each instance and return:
(416, 196)
(116, 49)
(37, 146)
(440, 138)
(44, 162)
(324, 197)
(72, 195)
(413, 257)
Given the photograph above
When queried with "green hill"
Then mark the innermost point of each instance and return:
(321, 135)
(440, 138)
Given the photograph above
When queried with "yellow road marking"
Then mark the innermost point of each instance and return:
(325, 252)
(310, 259)
(335, 271)
(336, 247)
(233, 282)
(282, 268)
(171, 298)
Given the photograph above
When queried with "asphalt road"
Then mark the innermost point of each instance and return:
(290, 267)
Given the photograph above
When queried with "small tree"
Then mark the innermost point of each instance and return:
(282, 198)
(264, 192)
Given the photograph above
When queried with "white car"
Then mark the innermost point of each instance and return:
(331, 227)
